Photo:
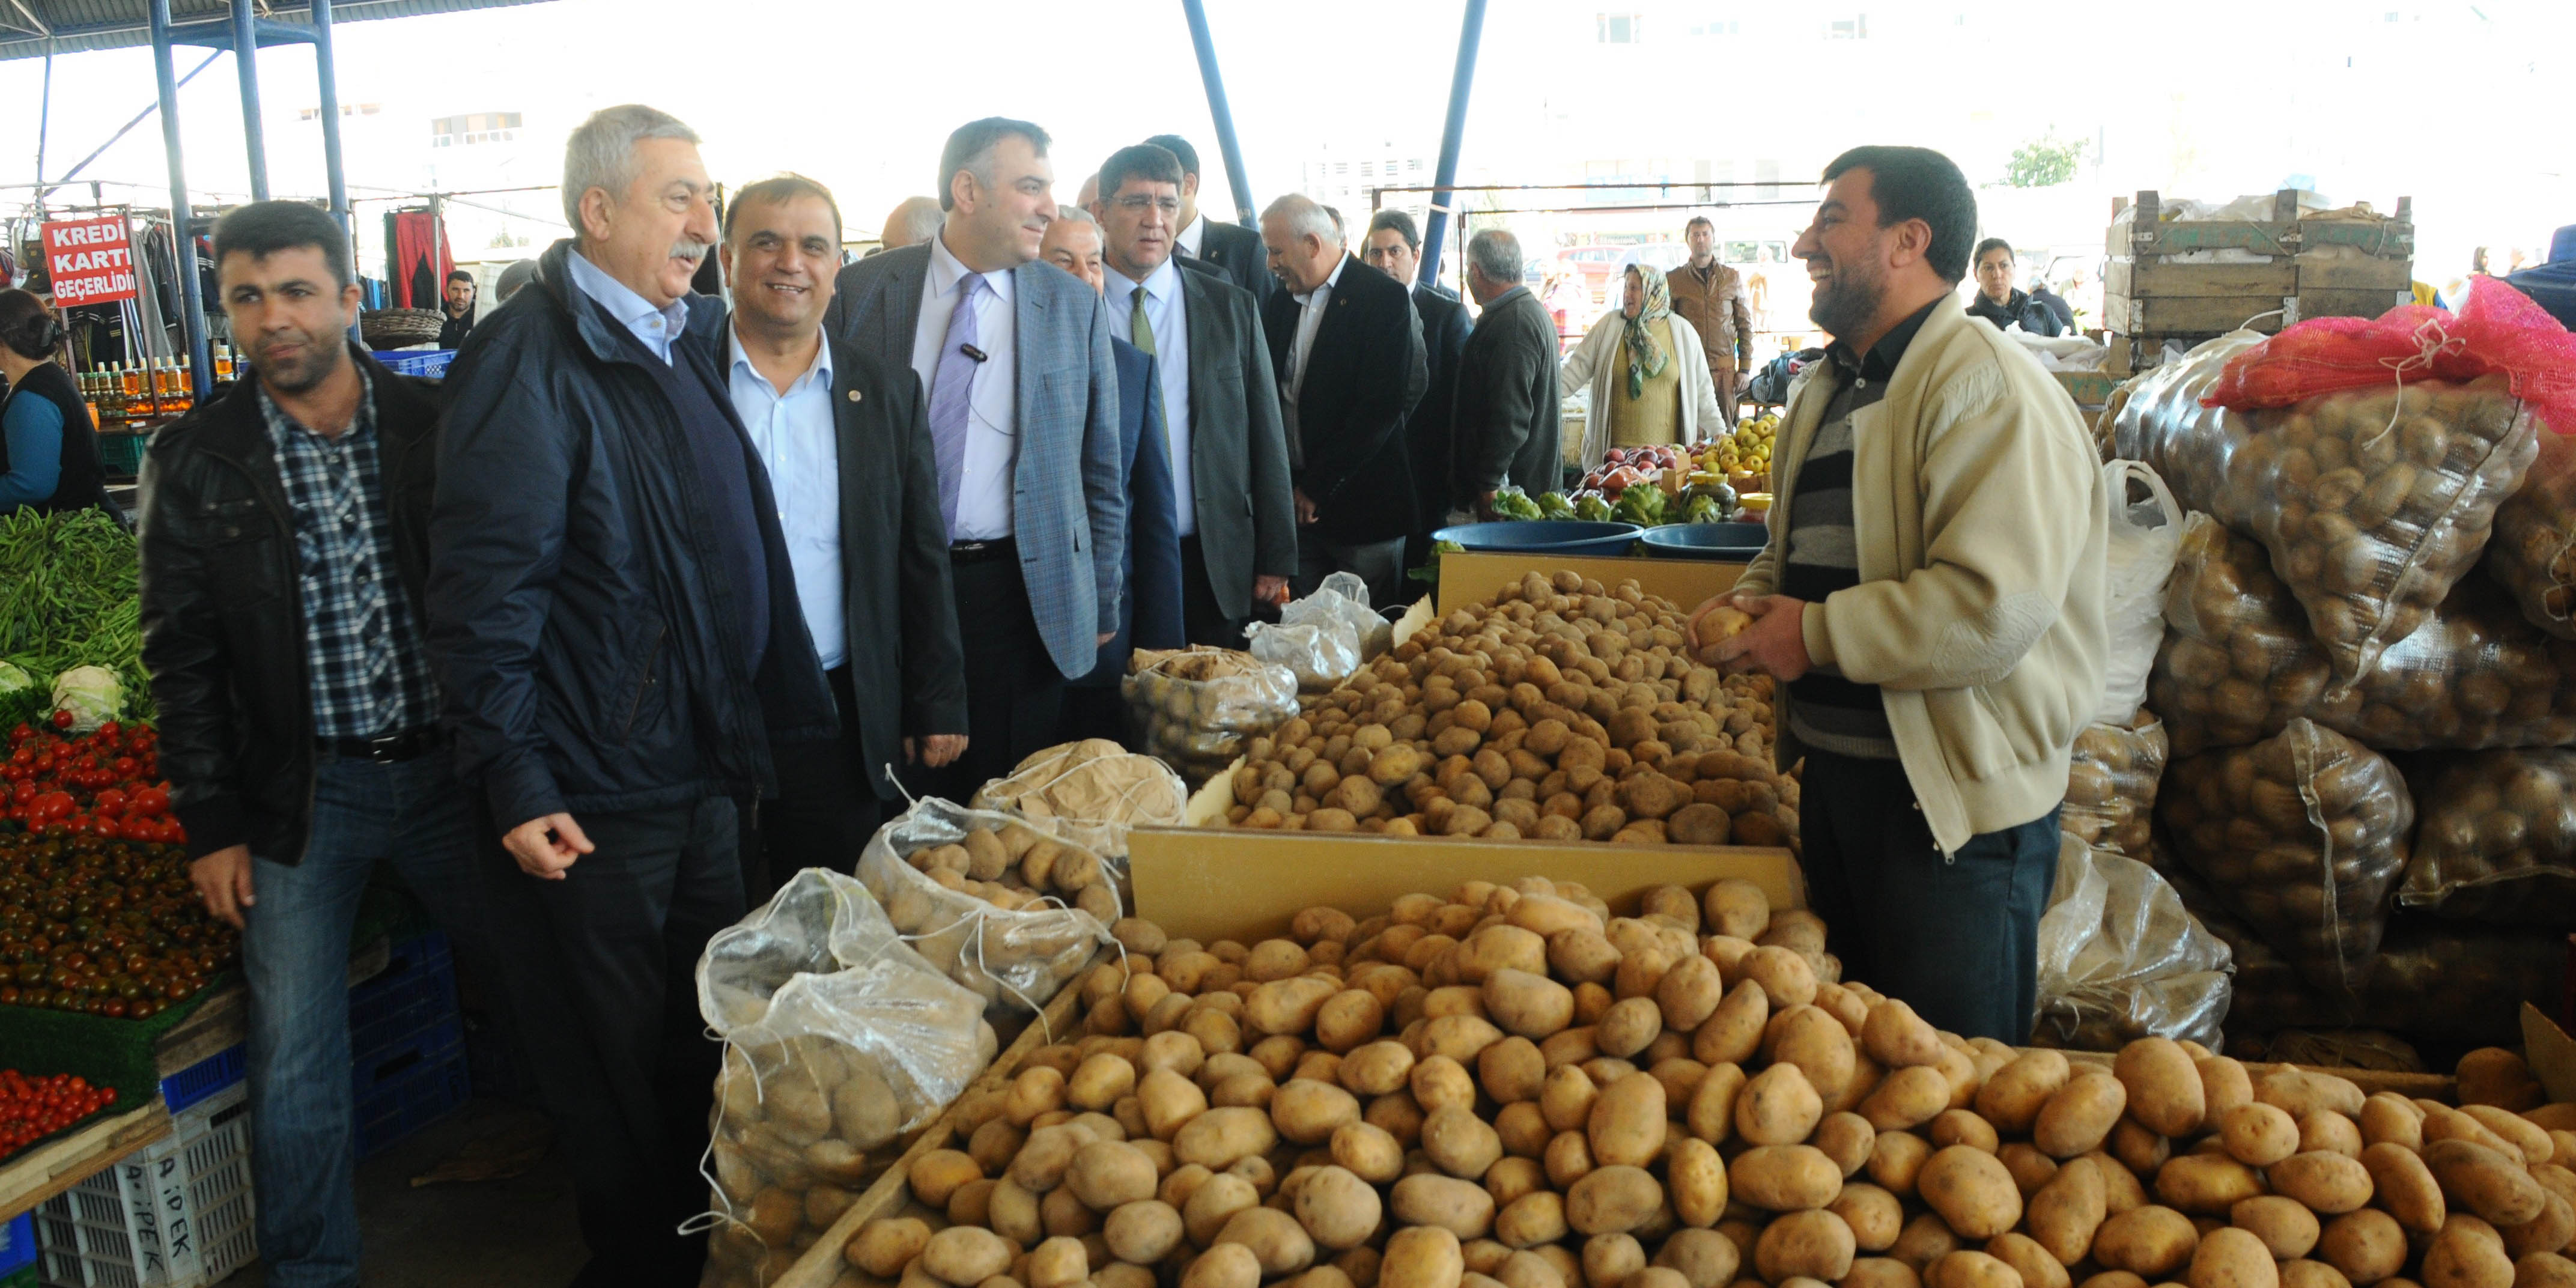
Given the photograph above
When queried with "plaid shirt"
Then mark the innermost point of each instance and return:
(362, 643)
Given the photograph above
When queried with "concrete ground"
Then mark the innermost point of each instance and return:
(514, 1233)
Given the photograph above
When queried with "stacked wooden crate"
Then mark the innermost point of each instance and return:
(2308, 266)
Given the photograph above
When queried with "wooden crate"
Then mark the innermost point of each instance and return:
(2307, 271)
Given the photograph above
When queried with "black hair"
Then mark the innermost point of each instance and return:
(1401, 222)
(1178, 147)
(1919, 183)
(1991, 243)
(1150, 162)
(27, 326)
(972, 144)
(459, 275)
(778, 190)
(263, 228)
(1695, 221)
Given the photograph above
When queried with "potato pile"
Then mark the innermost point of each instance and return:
(1558, 1101)
(2238, 664)
(1560, 712)
(2373, 502)
(1196, 706)
(2497, 844)
(2533, 552)
(2304, 834)
(1003, 909)
(2111, 785)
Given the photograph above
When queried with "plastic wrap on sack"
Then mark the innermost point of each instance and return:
(2533, 552)
(2145, 536)
(2497, 840)
(1091, 792)
(2304, 834)
(2238, 665)
(837, 1040)
(2120, 958)
(1015, 958)
(1325, 636)
(2111, 783)
(2373, 502)
(1194, 708)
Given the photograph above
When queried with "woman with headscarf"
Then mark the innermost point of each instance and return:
(48, 448)
(1647, 371)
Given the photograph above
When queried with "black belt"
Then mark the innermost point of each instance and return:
(387, 750)
(975, 552)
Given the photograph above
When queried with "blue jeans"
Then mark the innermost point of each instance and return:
(295, 952)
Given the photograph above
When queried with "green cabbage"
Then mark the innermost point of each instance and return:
(92, 694)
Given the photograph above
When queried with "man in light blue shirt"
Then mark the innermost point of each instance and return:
(847, 448)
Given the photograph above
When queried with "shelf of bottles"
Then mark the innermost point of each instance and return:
(136, 397)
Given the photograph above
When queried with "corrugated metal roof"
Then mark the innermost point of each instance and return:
(28, 28)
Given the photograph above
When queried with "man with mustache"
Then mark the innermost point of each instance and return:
(281, 602)
(1014, 361)
(613, 607)
(1930, 604)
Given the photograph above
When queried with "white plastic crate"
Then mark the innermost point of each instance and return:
(175, 1214)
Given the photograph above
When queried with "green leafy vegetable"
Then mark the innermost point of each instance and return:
(67, 597)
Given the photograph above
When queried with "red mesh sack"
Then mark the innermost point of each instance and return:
(2498, 330)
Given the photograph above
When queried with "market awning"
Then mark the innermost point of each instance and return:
(29, 28)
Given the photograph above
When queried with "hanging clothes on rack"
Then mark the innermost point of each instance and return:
(419, 261)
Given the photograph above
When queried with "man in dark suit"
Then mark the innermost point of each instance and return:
(1023, 409)
(1219, 400)
(1507, 406)
(1347, 347)
(1232, 249)
(1394, 248)
(1150, 617)
(847, 446)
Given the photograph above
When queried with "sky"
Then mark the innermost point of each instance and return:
(2361, 99)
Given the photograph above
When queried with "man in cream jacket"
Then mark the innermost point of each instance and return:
(1930, 604)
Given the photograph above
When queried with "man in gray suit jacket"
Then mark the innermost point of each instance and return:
(1023, 411)
(1508, 429)
(1220, 400)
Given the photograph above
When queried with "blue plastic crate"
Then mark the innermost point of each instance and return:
(206, 1077)
(413, 1096)
(415, 992)
(417, 362)
(375, 1070)
(17, 1245)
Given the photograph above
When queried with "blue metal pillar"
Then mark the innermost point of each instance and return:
(192, 307)
(1224, 116)
(1437, 226)
(246, 65)
(335, 176)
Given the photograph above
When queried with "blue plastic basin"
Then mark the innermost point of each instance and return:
(1722, 542)
(1573, 537)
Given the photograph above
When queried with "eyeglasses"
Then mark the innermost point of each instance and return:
(1139, 202)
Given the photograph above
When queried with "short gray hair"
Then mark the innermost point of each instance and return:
(1496, 254)
(601, 153)
(1304, 217)
(917, 218)
(1075, 214)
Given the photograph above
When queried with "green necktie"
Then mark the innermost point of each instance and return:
(1140, 332)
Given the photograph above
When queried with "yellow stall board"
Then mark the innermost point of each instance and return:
(1469, 578)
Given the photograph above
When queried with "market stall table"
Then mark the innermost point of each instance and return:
(56, 1166)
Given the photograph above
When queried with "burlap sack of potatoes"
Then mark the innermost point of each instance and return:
(1091, 792)
(2497, 841)
(2533, 552)
(1194, 707)
(2372, 502)
(994, 903)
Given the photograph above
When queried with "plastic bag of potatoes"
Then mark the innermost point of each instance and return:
(1194, 707)
(993, 902)
(2533, 552)
(2238, 664)
(837, 1039)
(2497, 841)
(2304, 834)
(2372, 502)
(2111, 785)
(1090, 792)
(2119, 958)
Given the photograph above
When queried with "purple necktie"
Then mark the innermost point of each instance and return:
(951, 388)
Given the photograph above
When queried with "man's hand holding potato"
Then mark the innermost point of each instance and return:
(1765, 633)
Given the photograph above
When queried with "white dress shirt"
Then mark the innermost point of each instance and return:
(657, 328)
(993, 408)
(1312, 305)
(798, 438)
(1193, 237)
(1166, 311)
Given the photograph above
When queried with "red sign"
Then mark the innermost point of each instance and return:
(89, 260)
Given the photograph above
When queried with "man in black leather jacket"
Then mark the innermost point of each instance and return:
(281, 608)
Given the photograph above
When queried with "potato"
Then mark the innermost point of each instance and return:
(1896, 1161)
(1228, 1265)
(1616, 1199)
(2030, 1169)
(2328, 1183)
(1704, 1258)
(1964, 1127)
(1110, 1174)
(1458, 1206)
(2367, 1246)
(2301, 1092)
(2066, 1212)
(1812, 1039)
(1698, 1181)
(2259, 1135)
(2164, 1089)
(2548, 1232)
(1526, 1003)
(1923, 1241)
(1422, 1257)
(2533, 1141)
(1872, 1214)
(1881, 1272)
(963, 1255)
(1786, 978)
(2150, 1241)
(2224, 1084)
(2206, 1184)
(1689, 993)
(2032, 1262)
(1459, 1143)
(2466, 1253)
(1308, 1112)
(2404, 1187)
(1778, 1106)
(1142, 1233)
(936, 1175)
(2284, 1225)
(2308, 1273)
(2544, 1270)
(1783, 1178)
(2013, 1097)
(1909, 1097)
(1280, 1244)
(2078, 1116)
(1971, 1190)
(1967, 1269)
(2232, 1258)
(1218, 1138)
(2390, 1117)
(1627, 1121)
(1733, 1033)
(2485, 1182)
(884, 1246)
(1815, 1244)
(1530, 1220)
(1848, 1139)
(1710, 1112)
(2331, 1132)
